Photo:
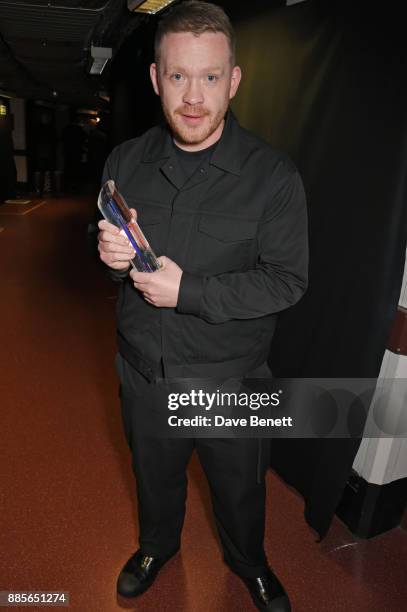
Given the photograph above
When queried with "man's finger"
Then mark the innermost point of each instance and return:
(140, 287)
(141, 278)
(114, 257)
(147, 299)
(149, 294)
(105, 236)
(111, 247)
(109, 227)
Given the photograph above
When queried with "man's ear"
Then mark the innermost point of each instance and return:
(154, 78)
(235, 81)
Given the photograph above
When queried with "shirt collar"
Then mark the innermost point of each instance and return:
(227, 154)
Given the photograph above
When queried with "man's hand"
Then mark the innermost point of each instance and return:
(114, 247)
(159, 288)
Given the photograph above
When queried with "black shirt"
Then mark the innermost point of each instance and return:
(237, 229)
(189, 161)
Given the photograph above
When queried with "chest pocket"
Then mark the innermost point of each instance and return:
(223, 245)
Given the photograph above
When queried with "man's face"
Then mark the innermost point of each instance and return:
(195, 80)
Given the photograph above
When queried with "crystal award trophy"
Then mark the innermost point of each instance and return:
(113, 207)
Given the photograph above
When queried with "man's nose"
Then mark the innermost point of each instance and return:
(193, 93)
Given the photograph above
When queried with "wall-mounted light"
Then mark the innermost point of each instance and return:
(148, 6)
(100, 57)
(87, 111)
(3, 108)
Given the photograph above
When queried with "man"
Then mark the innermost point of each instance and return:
(227, 214)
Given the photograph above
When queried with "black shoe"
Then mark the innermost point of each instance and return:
(138, 574)
(268, 593)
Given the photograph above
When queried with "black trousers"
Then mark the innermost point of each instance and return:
(235, 477)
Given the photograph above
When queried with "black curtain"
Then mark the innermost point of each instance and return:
(326, 82)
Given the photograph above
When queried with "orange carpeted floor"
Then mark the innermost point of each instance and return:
(68, 517)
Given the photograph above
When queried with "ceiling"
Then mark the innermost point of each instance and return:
(45, 46)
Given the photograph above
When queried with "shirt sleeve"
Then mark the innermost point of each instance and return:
(280, 276)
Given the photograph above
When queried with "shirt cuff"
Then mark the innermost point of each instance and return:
(117, 275)
(190, 293)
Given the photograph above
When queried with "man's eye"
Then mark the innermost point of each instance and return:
(176, 76)
(212, 78)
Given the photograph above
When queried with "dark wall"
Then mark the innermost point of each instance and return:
(134, 105)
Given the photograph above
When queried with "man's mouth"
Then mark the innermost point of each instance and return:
(192, 119)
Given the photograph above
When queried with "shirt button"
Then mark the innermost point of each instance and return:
(171, 167)
(202, 170)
